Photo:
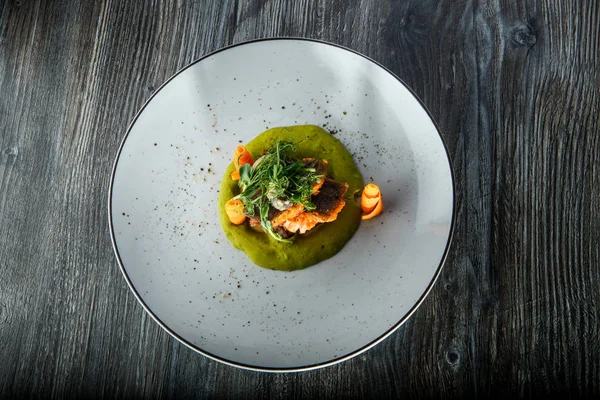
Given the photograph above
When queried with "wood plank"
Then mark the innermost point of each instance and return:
(513, 86)
(545, 207)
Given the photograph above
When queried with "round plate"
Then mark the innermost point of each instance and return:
(185, 273)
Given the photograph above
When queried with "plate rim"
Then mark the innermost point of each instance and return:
(309, 367)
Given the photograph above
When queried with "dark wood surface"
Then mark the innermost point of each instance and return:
(515, 88)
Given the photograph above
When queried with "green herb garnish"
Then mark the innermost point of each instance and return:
(276, 180)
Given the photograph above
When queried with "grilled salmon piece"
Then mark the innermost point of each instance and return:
(320, 167)
(308, 220)
(254, 223)
(277, 217)
(329, 202)
(331, 194)
(284, 233)
(328, 198)
(280, 217)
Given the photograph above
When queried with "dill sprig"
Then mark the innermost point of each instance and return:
(276, 180)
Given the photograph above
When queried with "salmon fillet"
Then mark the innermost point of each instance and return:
(329, 202)
(321, 169)
(254, 223)
(328, 198)
(308, 220)
(282, 216)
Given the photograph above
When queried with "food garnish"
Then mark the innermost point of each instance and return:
(285, 195)
(316, 210)
(235, 211)
(241, 156)
(371, 202)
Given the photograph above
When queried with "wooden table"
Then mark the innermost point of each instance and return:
(515, 88)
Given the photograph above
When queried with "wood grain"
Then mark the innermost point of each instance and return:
(515, 89)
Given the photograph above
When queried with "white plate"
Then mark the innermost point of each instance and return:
(186, 274)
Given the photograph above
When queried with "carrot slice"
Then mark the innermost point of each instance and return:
(376, 211)
(370, 197)
(368, 204)
(235, 211)
(371, 202)
(241, 156)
